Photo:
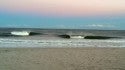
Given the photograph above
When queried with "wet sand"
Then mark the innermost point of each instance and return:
(62, 59)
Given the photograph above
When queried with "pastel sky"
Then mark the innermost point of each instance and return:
(76, 14)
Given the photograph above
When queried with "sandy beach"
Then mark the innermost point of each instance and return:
(62, 58)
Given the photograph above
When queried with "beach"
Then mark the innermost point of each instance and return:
(62, 59)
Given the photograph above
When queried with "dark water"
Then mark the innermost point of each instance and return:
(36, 32)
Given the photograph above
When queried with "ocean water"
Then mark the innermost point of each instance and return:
(50, 38)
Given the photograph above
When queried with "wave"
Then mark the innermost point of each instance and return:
(64, 36)
(19, 34)
(25, 33)
(77, 37)
(99, 37)
(71, 36)
(5, 35)
(35, 33)
(85, 37)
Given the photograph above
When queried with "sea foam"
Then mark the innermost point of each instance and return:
(63, 43)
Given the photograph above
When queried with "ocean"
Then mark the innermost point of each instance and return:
(61, 38)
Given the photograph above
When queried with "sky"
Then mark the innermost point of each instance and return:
(64, 14)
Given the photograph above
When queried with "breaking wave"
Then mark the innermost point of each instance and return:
(19, 33)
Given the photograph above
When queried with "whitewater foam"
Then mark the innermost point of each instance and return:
(61, 43)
